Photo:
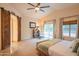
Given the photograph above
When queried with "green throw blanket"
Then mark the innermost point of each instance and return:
(43, 46)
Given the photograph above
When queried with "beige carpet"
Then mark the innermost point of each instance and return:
(25, 48)
(5, 52)
(22, 48)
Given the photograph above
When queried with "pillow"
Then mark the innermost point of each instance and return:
(76, 47)
(73, 43)
(77, 40)
(78, 51)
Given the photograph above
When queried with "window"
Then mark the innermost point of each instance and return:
(73, 31)
(48, 30)
(65, 30)
(70, 30)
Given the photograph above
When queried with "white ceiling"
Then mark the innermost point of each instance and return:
(22, 8)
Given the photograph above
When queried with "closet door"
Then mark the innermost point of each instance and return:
(5, 28)
(14, 28)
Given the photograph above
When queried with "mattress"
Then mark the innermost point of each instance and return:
(61, 49)
(44, 46)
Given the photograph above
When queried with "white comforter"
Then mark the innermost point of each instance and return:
(61, 49)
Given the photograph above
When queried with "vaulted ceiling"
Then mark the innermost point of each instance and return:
(21, 8)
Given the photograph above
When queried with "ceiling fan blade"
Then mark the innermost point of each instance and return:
(31, 4)
(42, 10)
(38, 4)
(45, 7)
(29, 8)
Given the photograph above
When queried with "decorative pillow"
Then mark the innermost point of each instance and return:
(76, 47)
(78, 51)
(73, 43)
(77, 40)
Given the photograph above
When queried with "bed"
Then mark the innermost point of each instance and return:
(55, 48)
(61, 49)
(43, 46)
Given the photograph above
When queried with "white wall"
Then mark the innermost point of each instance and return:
(7, 6)
(26, 32)
(58, 14)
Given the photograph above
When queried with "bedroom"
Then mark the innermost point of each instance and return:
(60, 20)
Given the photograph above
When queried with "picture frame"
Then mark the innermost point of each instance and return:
(32, 24)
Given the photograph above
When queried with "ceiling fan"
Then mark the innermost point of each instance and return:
(37, 7)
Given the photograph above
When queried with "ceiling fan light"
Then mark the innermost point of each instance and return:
(37, 8)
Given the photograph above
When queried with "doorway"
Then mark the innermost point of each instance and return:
(48, 30)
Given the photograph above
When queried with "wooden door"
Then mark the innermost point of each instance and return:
(78, 28)
(19, 28)
(5, 28)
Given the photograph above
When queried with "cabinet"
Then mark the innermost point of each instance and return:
(5, 28)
